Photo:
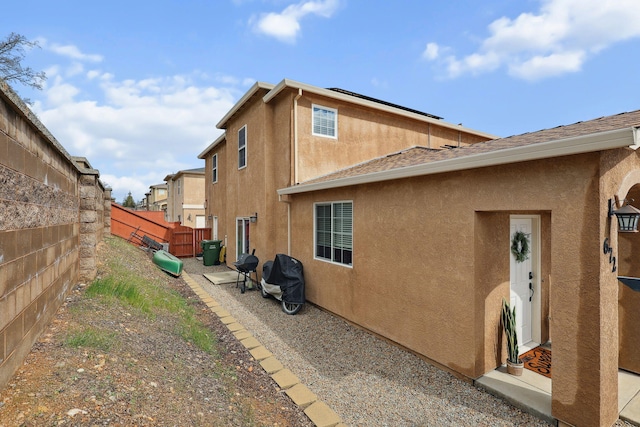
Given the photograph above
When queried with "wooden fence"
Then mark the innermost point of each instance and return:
(183, 241)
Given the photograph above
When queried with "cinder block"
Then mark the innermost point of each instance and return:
(301, 395)
(271, 365)
(260, 353)
(228, 320)
(242, 334)
(250, 343)
(285, 379)
(233, 327)
(321, 415)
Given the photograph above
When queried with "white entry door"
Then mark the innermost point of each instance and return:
(523, 283)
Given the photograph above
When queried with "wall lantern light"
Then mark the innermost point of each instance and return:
(210, 217)
(254, 217)
(627, 215)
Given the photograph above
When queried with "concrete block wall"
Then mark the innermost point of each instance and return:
(46, 227)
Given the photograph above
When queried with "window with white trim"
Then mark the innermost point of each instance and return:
(334, 232)
(325, 121)
(214, 168)
(242, 147)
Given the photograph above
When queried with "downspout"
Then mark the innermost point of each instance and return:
(295, 137)
(294, 166)
(636, 138)
(280, 199)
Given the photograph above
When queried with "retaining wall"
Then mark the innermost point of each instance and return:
(53, 211)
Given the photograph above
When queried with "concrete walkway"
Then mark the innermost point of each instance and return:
(531, 392)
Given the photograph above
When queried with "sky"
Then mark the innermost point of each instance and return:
(137, 87)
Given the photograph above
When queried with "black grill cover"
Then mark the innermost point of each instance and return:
(286, 272)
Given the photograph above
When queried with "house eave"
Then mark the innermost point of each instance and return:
(212, 145)
(627, 137)
(287, 83)
(246, 97)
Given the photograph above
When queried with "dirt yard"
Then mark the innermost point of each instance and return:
(103, 361)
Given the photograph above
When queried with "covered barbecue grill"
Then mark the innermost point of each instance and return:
(246, 264)
(283, 278)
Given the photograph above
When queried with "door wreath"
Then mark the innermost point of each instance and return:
(520, 246)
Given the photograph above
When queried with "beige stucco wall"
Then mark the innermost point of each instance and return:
(216, 193)
(431, 265)
(363, 134)
(184, 206)
(240, 193)
(274, 159)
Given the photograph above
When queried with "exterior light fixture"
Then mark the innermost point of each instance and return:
(254, 217)
(210, 217)
(627, 215)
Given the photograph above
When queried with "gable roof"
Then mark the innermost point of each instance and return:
(219, 140)
(604, 133)
(372, 103)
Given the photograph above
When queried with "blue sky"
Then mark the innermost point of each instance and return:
(137, 87)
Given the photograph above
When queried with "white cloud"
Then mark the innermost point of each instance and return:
(285, 26)
(69, 51)
(557, 39)
(431, 51)
(134, 131)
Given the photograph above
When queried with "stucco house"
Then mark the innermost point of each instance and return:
(404, 224)
(185, 198)
(157, 197)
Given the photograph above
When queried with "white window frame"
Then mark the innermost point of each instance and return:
(243, 236)
(333, 232)
(315, 107)
(242, 148)
(214, 168)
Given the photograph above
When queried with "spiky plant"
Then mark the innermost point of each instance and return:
(509, 324)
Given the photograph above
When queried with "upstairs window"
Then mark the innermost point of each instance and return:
(325, 121)
(242, 147)
(214, 168)
(334, 232)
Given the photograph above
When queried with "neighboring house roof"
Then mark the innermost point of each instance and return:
(173, 176)
(594, 135)
(158, 186)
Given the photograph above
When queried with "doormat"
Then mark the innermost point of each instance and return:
(538, 360)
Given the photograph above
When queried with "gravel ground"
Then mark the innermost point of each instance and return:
(364, 379)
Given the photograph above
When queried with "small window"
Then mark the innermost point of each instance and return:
(214, 168)
(178, 186)
(325, 121)
(242, 147)
(334, 232)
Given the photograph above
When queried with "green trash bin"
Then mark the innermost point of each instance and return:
(210, 252)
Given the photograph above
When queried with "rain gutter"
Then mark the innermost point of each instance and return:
(627, 137)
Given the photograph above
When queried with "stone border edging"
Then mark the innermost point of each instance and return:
(318, 412)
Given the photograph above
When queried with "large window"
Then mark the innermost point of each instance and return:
(214, 168)
(325, 121)
(334, 232)
(242, 147)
